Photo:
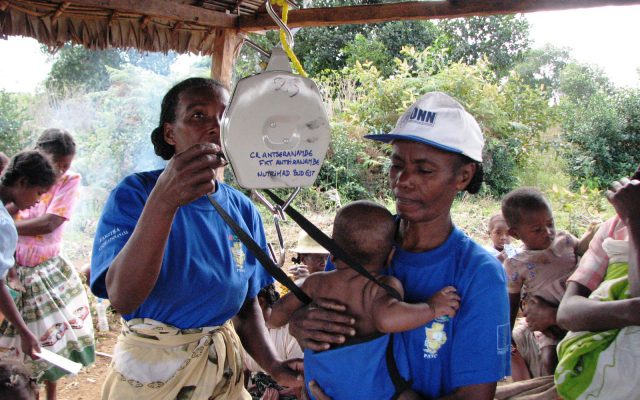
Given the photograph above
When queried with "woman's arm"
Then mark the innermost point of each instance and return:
(28, 341)
(282, 310)
(134, 271)
(41, 225)
(579, 313)
(251, 329)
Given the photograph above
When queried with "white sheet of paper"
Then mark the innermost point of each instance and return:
(59, 361)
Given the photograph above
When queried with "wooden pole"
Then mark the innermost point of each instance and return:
(226, 47)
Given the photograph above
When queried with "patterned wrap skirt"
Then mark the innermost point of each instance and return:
(55, 308)
(155, 361)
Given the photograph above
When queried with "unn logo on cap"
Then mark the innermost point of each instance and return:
(423, 117)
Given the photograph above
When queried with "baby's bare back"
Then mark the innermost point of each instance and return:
(351, 289)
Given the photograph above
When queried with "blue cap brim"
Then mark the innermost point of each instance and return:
(388, 137)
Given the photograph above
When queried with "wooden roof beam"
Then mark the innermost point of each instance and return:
(167, 9)
(371, 14)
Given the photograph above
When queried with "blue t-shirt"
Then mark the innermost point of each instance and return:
(8, 241)
(206, 274)
(474, 346)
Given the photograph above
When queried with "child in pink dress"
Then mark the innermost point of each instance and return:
(54, 303)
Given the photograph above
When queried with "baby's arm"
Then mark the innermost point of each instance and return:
(583, 243)
(392, 315)
(282, 310)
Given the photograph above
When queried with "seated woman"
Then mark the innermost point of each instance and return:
(600, 358)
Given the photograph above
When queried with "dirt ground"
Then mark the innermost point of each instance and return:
(87, 384)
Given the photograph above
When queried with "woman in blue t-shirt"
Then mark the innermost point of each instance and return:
(436, 153)
(176, 272)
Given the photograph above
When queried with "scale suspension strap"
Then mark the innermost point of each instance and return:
(258, 253)
(328, 243)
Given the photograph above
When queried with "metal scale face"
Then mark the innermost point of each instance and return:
(275, 131)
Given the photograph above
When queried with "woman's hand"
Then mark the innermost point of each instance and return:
(624, 195)
(321, 324)
(288, 373)
(189, 175)
(29, 344)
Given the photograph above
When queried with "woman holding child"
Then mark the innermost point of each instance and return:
(173, 268)
(436, 153)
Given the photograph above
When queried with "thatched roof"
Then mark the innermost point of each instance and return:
(192, 26)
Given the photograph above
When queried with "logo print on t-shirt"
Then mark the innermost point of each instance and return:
(238, 253)
(435, 338)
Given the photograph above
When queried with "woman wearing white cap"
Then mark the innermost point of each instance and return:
(311, 257)
(437, 153)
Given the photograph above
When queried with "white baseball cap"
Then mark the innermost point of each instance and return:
(438, 120)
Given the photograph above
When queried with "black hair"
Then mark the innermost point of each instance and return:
(269, 294)
(495, 218)
(31, 165)
(16, 381)
(365, 230)
(475, 183)
(168, 111)
(56, 142)
(522, 199)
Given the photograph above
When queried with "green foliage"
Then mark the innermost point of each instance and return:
(601, 127)
(371, 50)
(512, 114)
(118, 138)
(579, 83)
(574, 210)
(158, 63)
(541, 68)
(77, 69)
(502, 40)
(14, 114)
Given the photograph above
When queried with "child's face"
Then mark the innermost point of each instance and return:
(27, 196)
(500, 235)
(536, 229)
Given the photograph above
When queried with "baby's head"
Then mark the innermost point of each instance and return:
(365, 230)
(16, 382)
(529, 217)
(499, 232)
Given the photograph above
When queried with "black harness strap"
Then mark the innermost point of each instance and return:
(258, 253)
(328, 243)
(398, 381)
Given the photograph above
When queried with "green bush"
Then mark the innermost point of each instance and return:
(512, 115)
(602, 137)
